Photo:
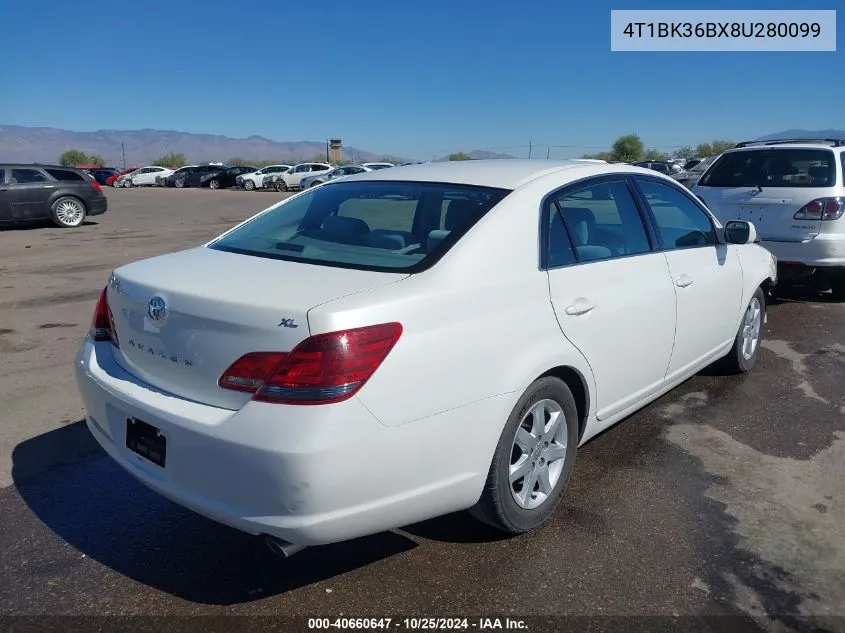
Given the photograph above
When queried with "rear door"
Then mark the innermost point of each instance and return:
(611, 291)
(29, 193)
(768, 186)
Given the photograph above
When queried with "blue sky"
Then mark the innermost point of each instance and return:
(414, 79)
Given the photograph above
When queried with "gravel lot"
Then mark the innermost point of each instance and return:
(724, 497)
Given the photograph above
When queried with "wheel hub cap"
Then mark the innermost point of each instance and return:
(538, 454)
(751, 326)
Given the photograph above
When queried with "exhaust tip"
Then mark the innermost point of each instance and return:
(282, 548)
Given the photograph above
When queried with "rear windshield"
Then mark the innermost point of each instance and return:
(368, 225)
(773, 168)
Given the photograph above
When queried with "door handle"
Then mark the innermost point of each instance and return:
(683, 281)
(579, 307)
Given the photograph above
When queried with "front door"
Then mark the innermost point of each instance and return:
(706, 273)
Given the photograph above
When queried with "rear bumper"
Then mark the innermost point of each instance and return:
(308, 475)
(97, 206)
(823, 251)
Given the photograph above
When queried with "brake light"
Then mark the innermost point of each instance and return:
(322, 369)
(822, 209)
(96, 185)
(102, 325)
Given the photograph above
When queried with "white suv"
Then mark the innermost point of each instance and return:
(292, 178)
(794, 193)
(257, 179)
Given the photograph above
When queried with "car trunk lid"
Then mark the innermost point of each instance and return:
(771, 209)
(182, 319)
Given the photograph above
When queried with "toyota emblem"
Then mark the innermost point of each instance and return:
(157, 309)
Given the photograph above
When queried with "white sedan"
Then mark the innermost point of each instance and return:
(401, 344)
(146, 176)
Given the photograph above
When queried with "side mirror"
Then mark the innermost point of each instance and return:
(738, 232)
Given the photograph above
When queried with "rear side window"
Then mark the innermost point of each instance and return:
(778, 167)
(368, 225)
(64, 175)
(2, 175)
(603, 221)
(27, 176)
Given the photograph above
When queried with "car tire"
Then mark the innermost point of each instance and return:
(179, 184)
(68, 212)
(746, 347)
(315, 183)
(532, 450)
(213, 184)
(281, 186)
(249, 185)
(127, 183)
(116, 184)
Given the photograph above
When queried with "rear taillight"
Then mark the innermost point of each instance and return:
(96, 186)
(102, 325)
(322, 369)
(822, 209)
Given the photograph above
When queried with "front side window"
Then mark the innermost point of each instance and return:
(388, 226)
(773, 167)
(27, 176)
(603, 221)
(680, 222)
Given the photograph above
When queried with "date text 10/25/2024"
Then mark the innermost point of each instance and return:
(417, 624)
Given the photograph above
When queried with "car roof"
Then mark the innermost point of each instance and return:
(37, 166)
(788, 145)
(498, 172)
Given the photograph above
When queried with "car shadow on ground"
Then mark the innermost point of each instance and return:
(85, 498)
(792, 294)
(39, 224)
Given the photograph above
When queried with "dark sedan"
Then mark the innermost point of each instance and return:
(195, 177)
(223, 179)
(177, 178)
(102, 174)
(40, 192)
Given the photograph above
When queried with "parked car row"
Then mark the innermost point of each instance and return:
(219, 176)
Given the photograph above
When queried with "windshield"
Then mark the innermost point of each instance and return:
(773, 168)
(369, 225)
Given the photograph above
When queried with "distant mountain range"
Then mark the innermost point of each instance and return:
(804, 134)
(45, 145)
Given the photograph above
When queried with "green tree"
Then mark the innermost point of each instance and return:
(654, 154)
(173, 161)
(608, 156)
(238, 162)
(74, 157)
(684, 153)
(628, 148)
(713, 148)
(460, 156)
(96, 159)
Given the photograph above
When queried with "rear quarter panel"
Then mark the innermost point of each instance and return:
(478, 324)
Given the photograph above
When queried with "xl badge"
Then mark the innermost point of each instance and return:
(288, 323)
(157, 310)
